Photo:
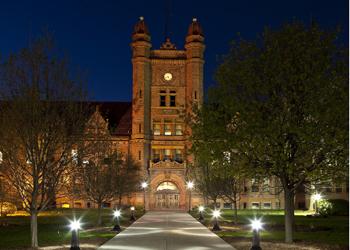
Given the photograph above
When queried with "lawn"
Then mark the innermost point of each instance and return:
(329, 231)
(53, 227)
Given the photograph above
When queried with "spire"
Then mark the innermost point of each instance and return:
(141, 32)
(195, 28)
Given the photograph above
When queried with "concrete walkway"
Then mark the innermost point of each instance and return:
(166, 230)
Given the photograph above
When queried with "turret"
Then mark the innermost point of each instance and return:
(195, 60)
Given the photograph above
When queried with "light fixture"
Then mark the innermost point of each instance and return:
(216, 215)
(201, 209)
(190, 185)
(317, 197)
(144, 185)
(256, 226)
(116, 215)
(75, 225)
(132, 215)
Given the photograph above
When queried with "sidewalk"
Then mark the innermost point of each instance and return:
(166, 231)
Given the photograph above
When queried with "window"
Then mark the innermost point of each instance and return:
(178, 129)
(167, 128)
(266, 185)
(255, 205)
(267, 205)
(140, 93)
(156, 128)
(178, 155)
(227, 205)
(140, 128)
(156, 155)
(172, 101)
(162, 98)
(278, 205)
(255, 185)
(139, 155)
(195, 95)
(172, 98)
(167, 154)
(338, 189)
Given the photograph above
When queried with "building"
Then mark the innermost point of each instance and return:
(166, 83)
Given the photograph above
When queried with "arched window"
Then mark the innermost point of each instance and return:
(167, 186)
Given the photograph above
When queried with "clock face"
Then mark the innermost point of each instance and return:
(168, 76)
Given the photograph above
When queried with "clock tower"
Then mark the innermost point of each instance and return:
(167, 82)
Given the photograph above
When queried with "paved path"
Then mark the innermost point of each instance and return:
(166, 231)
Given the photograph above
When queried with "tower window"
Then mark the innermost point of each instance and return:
(178, 129)
(139, 155)
(156, 128)
(167, 154)
(178, 155)
(172, 101)
(162, 100)
(167, 128)
(156, 155)
(140, 128)
(140, 93)
(195, 95)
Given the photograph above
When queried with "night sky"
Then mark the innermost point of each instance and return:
(96, 35)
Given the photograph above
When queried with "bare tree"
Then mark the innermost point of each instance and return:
(41, 119)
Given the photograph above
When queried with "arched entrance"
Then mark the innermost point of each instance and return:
(167, 196)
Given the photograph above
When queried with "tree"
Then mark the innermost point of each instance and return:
(219, 170)
(41, 119)
(286, 97)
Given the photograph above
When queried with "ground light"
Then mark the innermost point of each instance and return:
(75, 225)
(256, 225)
(201, 209)
(190, 186)
(144, 185)
(216, 215)
(116, 215)
(317, 197)
(132, 211)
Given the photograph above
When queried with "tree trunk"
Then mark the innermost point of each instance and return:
(235, 214)
(289, 215)
(99, 215)
(34, 228)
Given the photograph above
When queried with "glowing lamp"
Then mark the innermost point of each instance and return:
(190, 184)
(117, 213)
(144, 184)
(201, 208)
(317, 197)
(132, 208)
(75, 225)
(256, 224)
(216, 213)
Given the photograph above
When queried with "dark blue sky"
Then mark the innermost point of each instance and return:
(96, 34)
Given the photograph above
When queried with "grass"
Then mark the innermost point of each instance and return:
(53, 227)
(330, 230)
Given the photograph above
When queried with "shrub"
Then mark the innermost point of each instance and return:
(325, 207)
(7, 208)
(340, 207)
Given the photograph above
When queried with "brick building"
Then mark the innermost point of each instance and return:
(166, 82)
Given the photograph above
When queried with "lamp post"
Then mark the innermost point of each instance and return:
(256, 225)
(75, 226)
(190, 186)
(116, 215)
(201, 209)
(317, 197)
(144, 185)
(216, 215)
(132, 210)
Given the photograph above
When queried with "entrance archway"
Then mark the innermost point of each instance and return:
(167, 196)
